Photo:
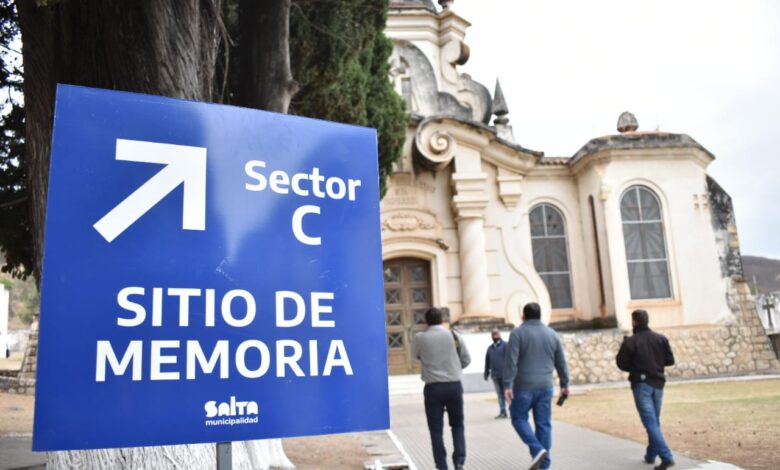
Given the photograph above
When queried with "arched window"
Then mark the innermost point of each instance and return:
(643, 232)
(551, 257)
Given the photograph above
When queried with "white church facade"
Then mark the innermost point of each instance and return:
(475, 223)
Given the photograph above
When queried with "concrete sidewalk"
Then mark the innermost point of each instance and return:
(493, 444)
(15, 453)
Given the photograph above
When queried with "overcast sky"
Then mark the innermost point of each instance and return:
(707, 68)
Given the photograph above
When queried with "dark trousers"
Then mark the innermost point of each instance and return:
(438, 398)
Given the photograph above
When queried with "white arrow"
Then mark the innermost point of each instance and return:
(184, 165)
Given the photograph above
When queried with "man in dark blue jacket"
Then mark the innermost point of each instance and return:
(494, 368)
(644, 356)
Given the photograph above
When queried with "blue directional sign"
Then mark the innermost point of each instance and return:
(211, 273)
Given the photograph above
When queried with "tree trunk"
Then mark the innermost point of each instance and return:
(249, 455)
(265, 81)
(161, 47)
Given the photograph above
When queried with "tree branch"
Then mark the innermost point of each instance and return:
(13, 203)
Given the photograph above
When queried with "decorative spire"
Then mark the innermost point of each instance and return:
(627, 123)
(500, 108)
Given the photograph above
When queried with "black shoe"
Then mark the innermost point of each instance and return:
(649, 461)
(665, 464)
(459, 468)
(536, 463)
(500, 416)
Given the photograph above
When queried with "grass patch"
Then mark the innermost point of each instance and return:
(735, 422)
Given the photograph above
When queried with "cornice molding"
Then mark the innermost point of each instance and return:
(438, 137)
(699, 157)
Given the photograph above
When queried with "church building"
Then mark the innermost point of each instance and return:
(476, 223)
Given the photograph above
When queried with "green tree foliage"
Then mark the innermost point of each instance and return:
(15, 234)
(340, 58)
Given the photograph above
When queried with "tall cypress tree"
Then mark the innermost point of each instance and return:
(15, 230)
(338, 60)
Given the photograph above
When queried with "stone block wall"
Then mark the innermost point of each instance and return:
(739, 347)
(12, 384)
(23, 380)
(30, 361)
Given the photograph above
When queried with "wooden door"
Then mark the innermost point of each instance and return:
(407, 297)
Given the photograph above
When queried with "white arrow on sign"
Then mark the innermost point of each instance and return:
(184, 165)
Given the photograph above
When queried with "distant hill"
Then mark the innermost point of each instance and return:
(765, 271)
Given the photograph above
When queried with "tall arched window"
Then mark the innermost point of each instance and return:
(643, 232)
(551, 257)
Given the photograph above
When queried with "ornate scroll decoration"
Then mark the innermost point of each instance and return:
(433, 149)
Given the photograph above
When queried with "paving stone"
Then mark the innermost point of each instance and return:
(493, 444)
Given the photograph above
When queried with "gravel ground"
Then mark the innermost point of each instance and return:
(336, 452)
(16, 413)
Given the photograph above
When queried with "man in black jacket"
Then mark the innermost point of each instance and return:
(644, 356)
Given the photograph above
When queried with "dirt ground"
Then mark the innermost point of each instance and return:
(337, 452)
(735, 422)
(16, 413)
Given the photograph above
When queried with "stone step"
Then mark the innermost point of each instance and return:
(405, 385)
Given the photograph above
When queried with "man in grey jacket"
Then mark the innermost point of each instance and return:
(443, 354)
(533, 351)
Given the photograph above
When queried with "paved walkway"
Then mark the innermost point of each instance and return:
(15, 453)
(493, 444)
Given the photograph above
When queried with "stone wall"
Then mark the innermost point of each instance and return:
(23, 380)
(30, 362)
(13, 384)
(740, 347)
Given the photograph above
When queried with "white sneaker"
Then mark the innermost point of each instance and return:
(538, 459)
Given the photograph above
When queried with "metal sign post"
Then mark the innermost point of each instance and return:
(224, 456)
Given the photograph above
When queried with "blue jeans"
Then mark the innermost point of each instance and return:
(540, 402)
(499, 385)
(438, 398)
(648, 400)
